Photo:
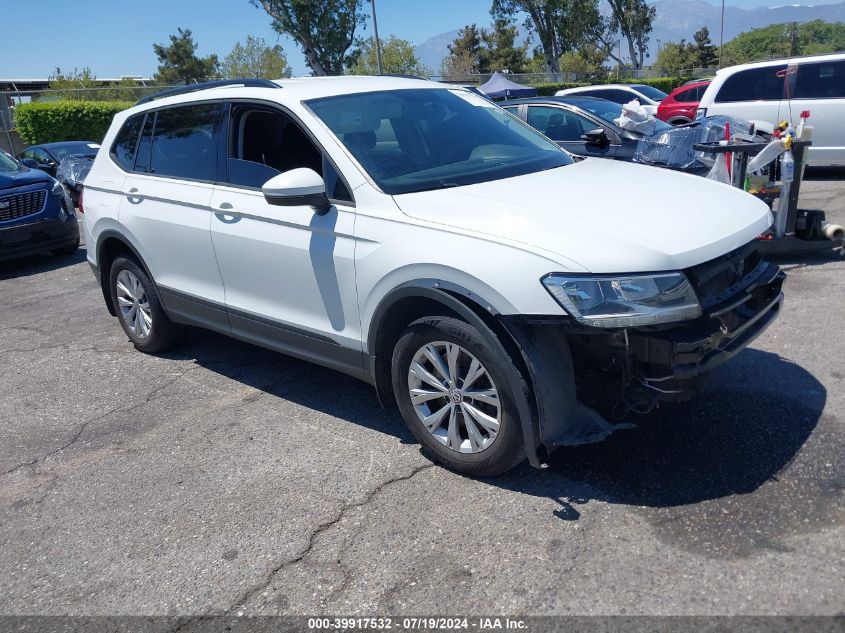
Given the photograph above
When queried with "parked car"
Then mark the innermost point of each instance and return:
(679, 107)
(648, 96)
(35, 213)
(425, 240)
(771, 91)
(47, 156)
(583, 126)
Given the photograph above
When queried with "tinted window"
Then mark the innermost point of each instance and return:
(754, 84)
(650, 91)
(690, 96)
(185, 141)
(422, 139)
(559, 124)
(821, 80)
(126, 143)
(145, 144)
(617, 96)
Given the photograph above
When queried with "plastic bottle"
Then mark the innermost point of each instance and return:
(787, 167)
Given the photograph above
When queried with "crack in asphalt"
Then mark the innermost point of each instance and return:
(312, 537)
(146, 400)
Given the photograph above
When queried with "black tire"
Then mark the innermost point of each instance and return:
(163, 333)
(506, 449)
(70, 249)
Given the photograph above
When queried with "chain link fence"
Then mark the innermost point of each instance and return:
(624, 73)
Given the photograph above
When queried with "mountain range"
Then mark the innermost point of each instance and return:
(675, 20)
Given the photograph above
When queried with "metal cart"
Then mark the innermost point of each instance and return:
(797, 238)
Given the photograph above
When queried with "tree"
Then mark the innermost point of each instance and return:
(325, 29)
(776, 40)
(397, 56)
(703, 52)
(476, 51)
(83, 85)
(633, 19)
(255, 59)
(674, 57)
(500, 51)
(178, 62)
(587, 62)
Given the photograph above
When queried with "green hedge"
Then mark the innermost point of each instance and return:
(49, 121)
(666, 84)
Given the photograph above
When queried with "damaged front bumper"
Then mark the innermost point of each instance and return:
(582, 375)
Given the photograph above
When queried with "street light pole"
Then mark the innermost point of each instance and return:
(375, 37)
(722, 34)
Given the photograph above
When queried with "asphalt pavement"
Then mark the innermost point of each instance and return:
(222, 477)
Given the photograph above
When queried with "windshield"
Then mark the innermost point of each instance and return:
(416, 140)
(651, 92)
(70, 149)
(7, 163)
(609, 111)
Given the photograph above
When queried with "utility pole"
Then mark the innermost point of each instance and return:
(793, 43)
(722, 34)
(375, 37)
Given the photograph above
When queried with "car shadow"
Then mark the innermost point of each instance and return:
(824, 173)
(704, 473)
(39, 263)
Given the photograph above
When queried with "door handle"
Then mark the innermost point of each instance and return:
(134, 196)
(225, 206)
(225, 213)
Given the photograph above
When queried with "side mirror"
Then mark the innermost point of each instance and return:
(31, 163)
(596, 137)
(297, 187)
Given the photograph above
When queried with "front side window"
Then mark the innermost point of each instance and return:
(821, 80)
(422, 139)
(264, 142)
(559, 124)
(125, 144)
(185, 141)
(754, 84)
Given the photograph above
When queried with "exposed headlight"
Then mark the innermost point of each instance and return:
(627, 301)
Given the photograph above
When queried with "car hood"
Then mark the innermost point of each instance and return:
(602, 215)
(27, 176)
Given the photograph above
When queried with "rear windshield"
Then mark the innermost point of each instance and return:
(72, 149)
(417, 140)
(7, 163)
(608, 110)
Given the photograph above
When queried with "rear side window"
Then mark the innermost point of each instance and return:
(690, 96)
(821, 80)
(185, 142)
(754, 84)
(617, 96)
(125, 146)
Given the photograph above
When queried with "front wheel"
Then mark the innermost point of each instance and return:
(452, 387)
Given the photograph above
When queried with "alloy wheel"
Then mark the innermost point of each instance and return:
(454, 397)
(134, 305)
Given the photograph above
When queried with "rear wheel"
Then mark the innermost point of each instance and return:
(138, 308)
(451, 385)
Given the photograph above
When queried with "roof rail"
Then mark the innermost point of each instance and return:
(205, 85)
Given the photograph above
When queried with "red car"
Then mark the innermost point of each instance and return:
(680, 106)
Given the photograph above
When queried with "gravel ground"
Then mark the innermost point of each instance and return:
(225, 477)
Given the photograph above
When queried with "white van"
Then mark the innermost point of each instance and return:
(781, 89)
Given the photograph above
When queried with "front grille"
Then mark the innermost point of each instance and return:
(718, 280)
(22, 204)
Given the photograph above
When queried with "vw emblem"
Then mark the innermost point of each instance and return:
(455, 396)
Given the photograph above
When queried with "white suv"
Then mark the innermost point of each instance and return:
(771, 91)
(423, 239)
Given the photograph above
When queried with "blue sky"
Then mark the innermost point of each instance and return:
(115, 37)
